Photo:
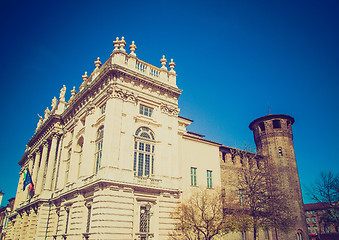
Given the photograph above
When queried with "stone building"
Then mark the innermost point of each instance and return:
(316, 226)
(4, 213)
(114, 160)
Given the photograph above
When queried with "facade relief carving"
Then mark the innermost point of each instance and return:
(173, 111)
(90, 109)
(124, 95)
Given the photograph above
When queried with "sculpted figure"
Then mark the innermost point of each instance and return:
(47, 113)
(62, 93)
(54, 103)
(39, 122)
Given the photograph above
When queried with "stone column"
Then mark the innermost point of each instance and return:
(51, 162)
(42, 167)
(36, 167)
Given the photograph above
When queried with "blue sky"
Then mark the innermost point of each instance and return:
(233, 60)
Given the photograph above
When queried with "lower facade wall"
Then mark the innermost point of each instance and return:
(102, 212)
(105, 212)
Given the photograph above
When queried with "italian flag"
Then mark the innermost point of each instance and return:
(28, 181)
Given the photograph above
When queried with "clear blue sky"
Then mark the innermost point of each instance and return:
(234, 59)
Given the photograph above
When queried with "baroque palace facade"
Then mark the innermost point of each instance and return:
(114, 160)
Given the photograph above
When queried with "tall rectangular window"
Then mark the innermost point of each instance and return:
(103, 109)
(193, 176)
(209, 179)
(98, 151)
(67, 166)
(147, 111)
(89, 210)
(67, 218)
(276, 124)
(143, 227)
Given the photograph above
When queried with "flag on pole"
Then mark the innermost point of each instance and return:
(28, 181)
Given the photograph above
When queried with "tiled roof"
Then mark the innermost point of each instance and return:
(316, 206)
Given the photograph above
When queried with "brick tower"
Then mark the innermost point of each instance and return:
(273, 137)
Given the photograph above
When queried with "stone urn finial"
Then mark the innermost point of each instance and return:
(116, 44)
(73, 92)
(163, 62)
(172, 65)
(132, 47)
(122, 44)
(85, 77)
(97, 63)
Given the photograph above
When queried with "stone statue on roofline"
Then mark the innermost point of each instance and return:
(47, 113)
(62, 93)
(39, 122)
(54, 103)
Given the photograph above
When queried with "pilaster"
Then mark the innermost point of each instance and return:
(42, 167)
(36, 167)
(87, 166)
(51, 162)
(57, 166)
(74, 164)
(111, 141)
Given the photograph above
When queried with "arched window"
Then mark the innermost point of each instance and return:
(143, 163)
(98, 150)
(299, 235)
(79, 152)
(280, 152)
(68, 161)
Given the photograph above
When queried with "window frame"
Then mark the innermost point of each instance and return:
(99, 142)
(209, 179)
(144, 152)
(146, 110)
(193, 176)
(103, 109)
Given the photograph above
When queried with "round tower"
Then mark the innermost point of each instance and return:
(273, 137)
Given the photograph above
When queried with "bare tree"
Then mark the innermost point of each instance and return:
(326, 190)
(262, 201)
(202, 216)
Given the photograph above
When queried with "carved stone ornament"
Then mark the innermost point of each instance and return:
(88, 204)
(124, 95)
(173, 111)
(90, 109)
(110, 90)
